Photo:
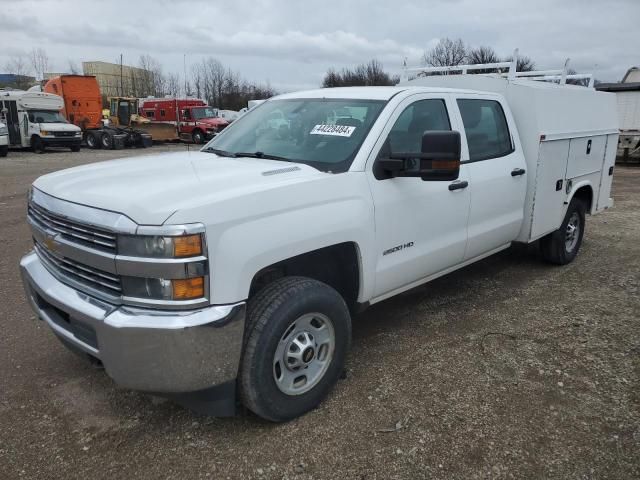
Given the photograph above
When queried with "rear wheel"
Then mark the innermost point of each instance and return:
(37, 145)
(4, 150)
(562, 246)
(298, 335)
(198, 136)
(92, 140)
(106, 141)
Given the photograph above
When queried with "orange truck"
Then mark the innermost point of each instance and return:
(83, 107)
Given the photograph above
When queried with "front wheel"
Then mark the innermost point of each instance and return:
(198, 137)
(298, 335)
(37, 145)
(562, 246)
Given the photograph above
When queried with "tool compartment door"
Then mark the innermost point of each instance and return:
(606, 177)
(550, 182)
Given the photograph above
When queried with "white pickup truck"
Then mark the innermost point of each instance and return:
(229, 276)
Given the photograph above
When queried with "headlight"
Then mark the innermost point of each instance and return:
(78, 134)
(164, 289)
(160, 246)
(44, 133)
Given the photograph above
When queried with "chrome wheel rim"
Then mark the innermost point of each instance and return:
(304, 354)
(572, 233)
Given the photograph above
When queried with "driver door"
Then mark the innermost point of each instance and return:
(421, 226)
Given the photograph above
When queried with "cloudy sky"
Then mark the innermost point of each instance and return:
(292, 43)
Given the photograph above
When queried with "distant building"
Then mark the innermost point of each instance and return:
(115, 80)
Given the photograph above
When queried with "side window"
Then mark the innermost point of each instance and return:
(486, 129)
(150, 113)
(417, 118)
(162, 112)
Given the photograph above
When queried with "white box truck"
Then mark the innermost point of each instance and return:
(34, 121)
(230, 275)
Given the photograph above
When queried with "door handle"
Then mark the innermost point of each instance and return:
(458, 185)
(517, 171)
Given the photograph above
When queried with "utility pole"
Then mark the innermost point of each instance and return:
(184, 65)
(121, 85)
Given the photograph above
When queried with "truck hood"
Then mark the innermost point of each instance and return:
(213, 122)
(59, 127)
(150, 189)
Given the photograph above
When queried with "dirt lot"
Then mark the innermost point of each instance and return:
(507, 369)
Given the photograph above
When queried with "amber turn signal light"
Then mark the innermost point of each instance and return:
(187, 246)
(188, 288)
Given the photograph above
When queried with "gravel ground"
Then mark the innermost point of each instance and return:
(510, 368)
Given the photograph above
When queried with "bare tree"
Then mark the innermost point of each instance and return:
(150, 80)
(173, 85)
(524, 63)
(482, 54)
(447, 52)
(368, 74)
(39, 61)
(19, 66)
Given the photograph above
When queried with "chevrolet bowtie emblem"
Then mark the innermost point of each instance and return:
(50, 241)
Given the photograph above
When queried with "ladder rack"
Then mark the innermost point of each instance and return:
(560, 76)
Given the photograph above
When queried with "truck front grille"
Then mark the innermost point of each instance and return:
(64, 134)
(78, 273)
(73, 231)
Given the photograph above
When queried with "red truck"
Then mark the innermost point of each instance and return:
(194, 119)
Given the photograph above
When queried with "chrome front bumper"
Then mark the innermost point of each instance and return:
(141, 349)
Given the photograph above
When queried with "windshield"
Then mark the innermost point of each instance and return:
(204, 112)
(46, 116)
(323, 133)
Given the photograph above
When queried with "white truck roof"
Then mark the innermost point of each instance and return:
(33, 100)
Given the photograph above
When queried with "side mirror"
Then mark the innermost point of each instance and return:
(439, 159)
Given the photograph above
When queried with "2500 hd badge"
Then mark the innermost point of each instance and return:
(397, 249)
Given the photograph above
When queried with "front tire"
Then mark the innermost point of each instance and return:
(37, 144)
(298, 335)
(562, 246)
(198, 137)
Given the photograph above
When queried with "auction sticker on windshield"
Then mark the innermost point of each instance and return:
(335, 130)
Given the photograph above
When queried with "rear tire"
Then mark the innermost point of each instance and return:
(562, 246)
(106, 141)
(4, 150)
(92, 140)
(297, 337)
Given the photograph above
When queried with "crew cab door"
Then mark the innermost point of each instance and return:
(496, 167)
(421, 226)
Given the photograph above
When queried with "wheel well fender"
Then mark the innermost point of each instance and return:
(339, 266)
(584, 192)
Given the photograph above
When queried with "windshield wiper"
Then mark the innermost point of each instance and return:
(220, 153)
(262, 155)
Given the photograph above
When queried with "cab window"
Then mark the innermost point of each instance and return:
(486, 129)
(417, 118)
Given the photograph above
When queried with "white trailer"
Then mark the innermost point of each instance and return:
(628, 99)
(34, 120)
